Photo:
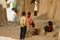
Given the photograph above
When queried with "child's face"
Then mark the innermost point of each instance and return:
(28, 16)
(8, 5)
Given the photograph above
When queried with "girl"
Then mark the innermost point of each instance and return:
(29, 22)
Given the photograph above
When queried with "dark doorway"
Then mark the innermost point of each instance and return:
(6, 0)
(35, 13)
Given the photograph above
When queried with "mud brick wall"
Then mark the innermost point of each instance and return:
(3, 17)
(0, 13)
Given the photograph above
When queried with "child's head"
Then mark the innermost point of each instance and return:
(8, 5)
(23, 13)
(28, 14)
(50, 23)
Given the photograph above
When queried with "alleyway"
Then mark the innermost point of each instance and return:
(46, 10)
(11, 31)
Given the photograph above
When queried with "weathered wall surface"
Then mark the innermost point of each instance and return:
(51, 7)
(57, 14)
(0, 13)
(43, 7)
(3, 18)
(52, 10)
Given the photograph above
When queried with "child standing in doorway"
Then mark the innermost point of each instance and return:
(23, 26)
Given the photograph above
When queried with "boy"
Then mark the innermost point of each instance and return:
(23, 26)
(49, 27)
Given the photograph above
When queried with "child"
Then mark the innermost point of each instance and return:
(23, 26)
(49, 27)
(35, 31)
(29, 20)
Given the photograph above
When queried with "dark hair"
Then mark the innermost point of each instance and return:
(6, 0)
(23, 13)
(50, 23)
(28, 14)
(32, 1)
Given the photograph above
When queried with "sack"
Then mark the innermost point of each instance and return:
(33, 25)
(35, 32)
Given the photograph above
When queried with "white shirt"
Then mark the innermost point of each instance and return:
(35, 6)
(10, 14)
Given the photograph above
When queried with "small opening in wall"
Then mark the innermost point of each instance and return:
(6, 0)
(35, 13)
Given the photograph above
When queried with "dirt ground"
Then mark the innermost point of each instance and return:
(13, 31)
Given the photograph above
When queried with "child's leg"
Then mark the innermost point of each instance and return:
(24, 32)
(28, 32)
(21, 34)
